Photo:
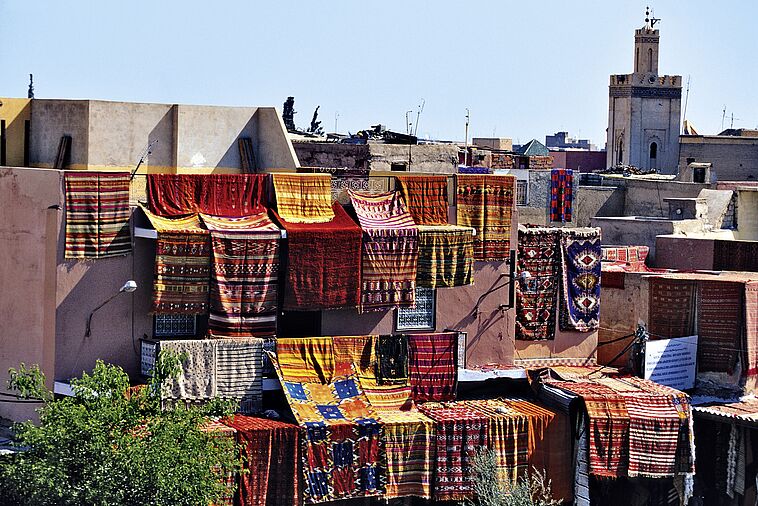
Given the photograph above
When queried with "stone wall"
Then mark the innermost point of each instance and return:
(733, 158)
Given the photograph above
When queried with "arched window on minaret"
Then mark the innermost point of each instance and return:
(653, 155)
(620, 150)
(637, 61)
(650, 60)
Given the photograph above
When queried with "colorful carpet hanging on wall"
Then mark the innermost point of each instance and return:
(360, 353)
(323, 263)
(271, 461)
(223, 368)
(561, 194)
(425, 197)
(580, 297)
(342, 456)
(182, 265)
(485, 202)
(719, 328)
(445, 256)
(672, 307)
(231, 195)
(304, 198)
(537, 295)
(97, 214)
(245, 268)
(433, 366)
(460, 432)
(390, 250)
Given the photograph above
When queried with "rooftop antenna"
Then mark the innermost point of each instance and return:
(650, 21)
(30, 93)
(686, 99)
(145, 153)
(336, 116)
(465, 153)
(418, 115)
(723, 115)
(408, 122)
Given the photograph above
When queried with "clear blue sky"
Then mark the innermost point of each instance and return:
(524, 69)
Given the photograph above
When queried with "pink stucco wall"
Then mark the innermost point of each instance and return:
(28, 228)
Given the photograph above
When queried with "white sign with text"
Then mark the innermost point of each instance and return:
(672, 362)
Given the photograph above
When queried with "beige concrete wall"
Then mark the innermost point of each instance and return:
(198, 139)
(120, 131)
(28, 240)
(733, 158)
(644, 197)
(620, 311)
(271, 144)
(436, 158)
(629, 230)
(747, 215)
(207, 136)
(591, 201)
(15, 112)
(52, 119)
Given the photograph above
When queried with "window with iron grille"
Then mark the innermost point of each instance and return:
(522, 191)
(422, 316)
(175, 325)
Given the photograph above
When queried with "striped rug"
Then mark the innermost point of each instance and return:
(243, 289)
(486, 204)
(445, 256)
(182, 265)
(460, 432)
(433, 366)
(426, 198)
(97, 214)
(390, 250)
(304, 198)
(239, 366)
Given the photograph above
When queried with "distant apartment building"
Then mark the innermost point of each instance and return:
(561, 140)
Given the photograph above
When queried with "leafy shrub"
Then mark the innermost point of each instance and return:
(109, 445)
(531, 490)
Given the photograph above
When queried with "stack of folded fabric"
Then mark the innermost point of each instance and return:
(390, 250)
(324, 244)
(243, 293)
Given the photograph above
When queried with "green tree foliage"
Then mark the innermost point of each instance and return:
(108, 445)
(531, 490)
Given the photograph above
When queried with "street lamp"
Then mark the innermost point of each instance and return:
(128, 287)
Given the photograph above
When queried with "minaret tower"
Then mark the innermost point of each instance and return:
(644, 109)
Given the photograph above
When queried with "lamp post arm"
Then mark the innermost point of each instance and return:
(89, 318)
